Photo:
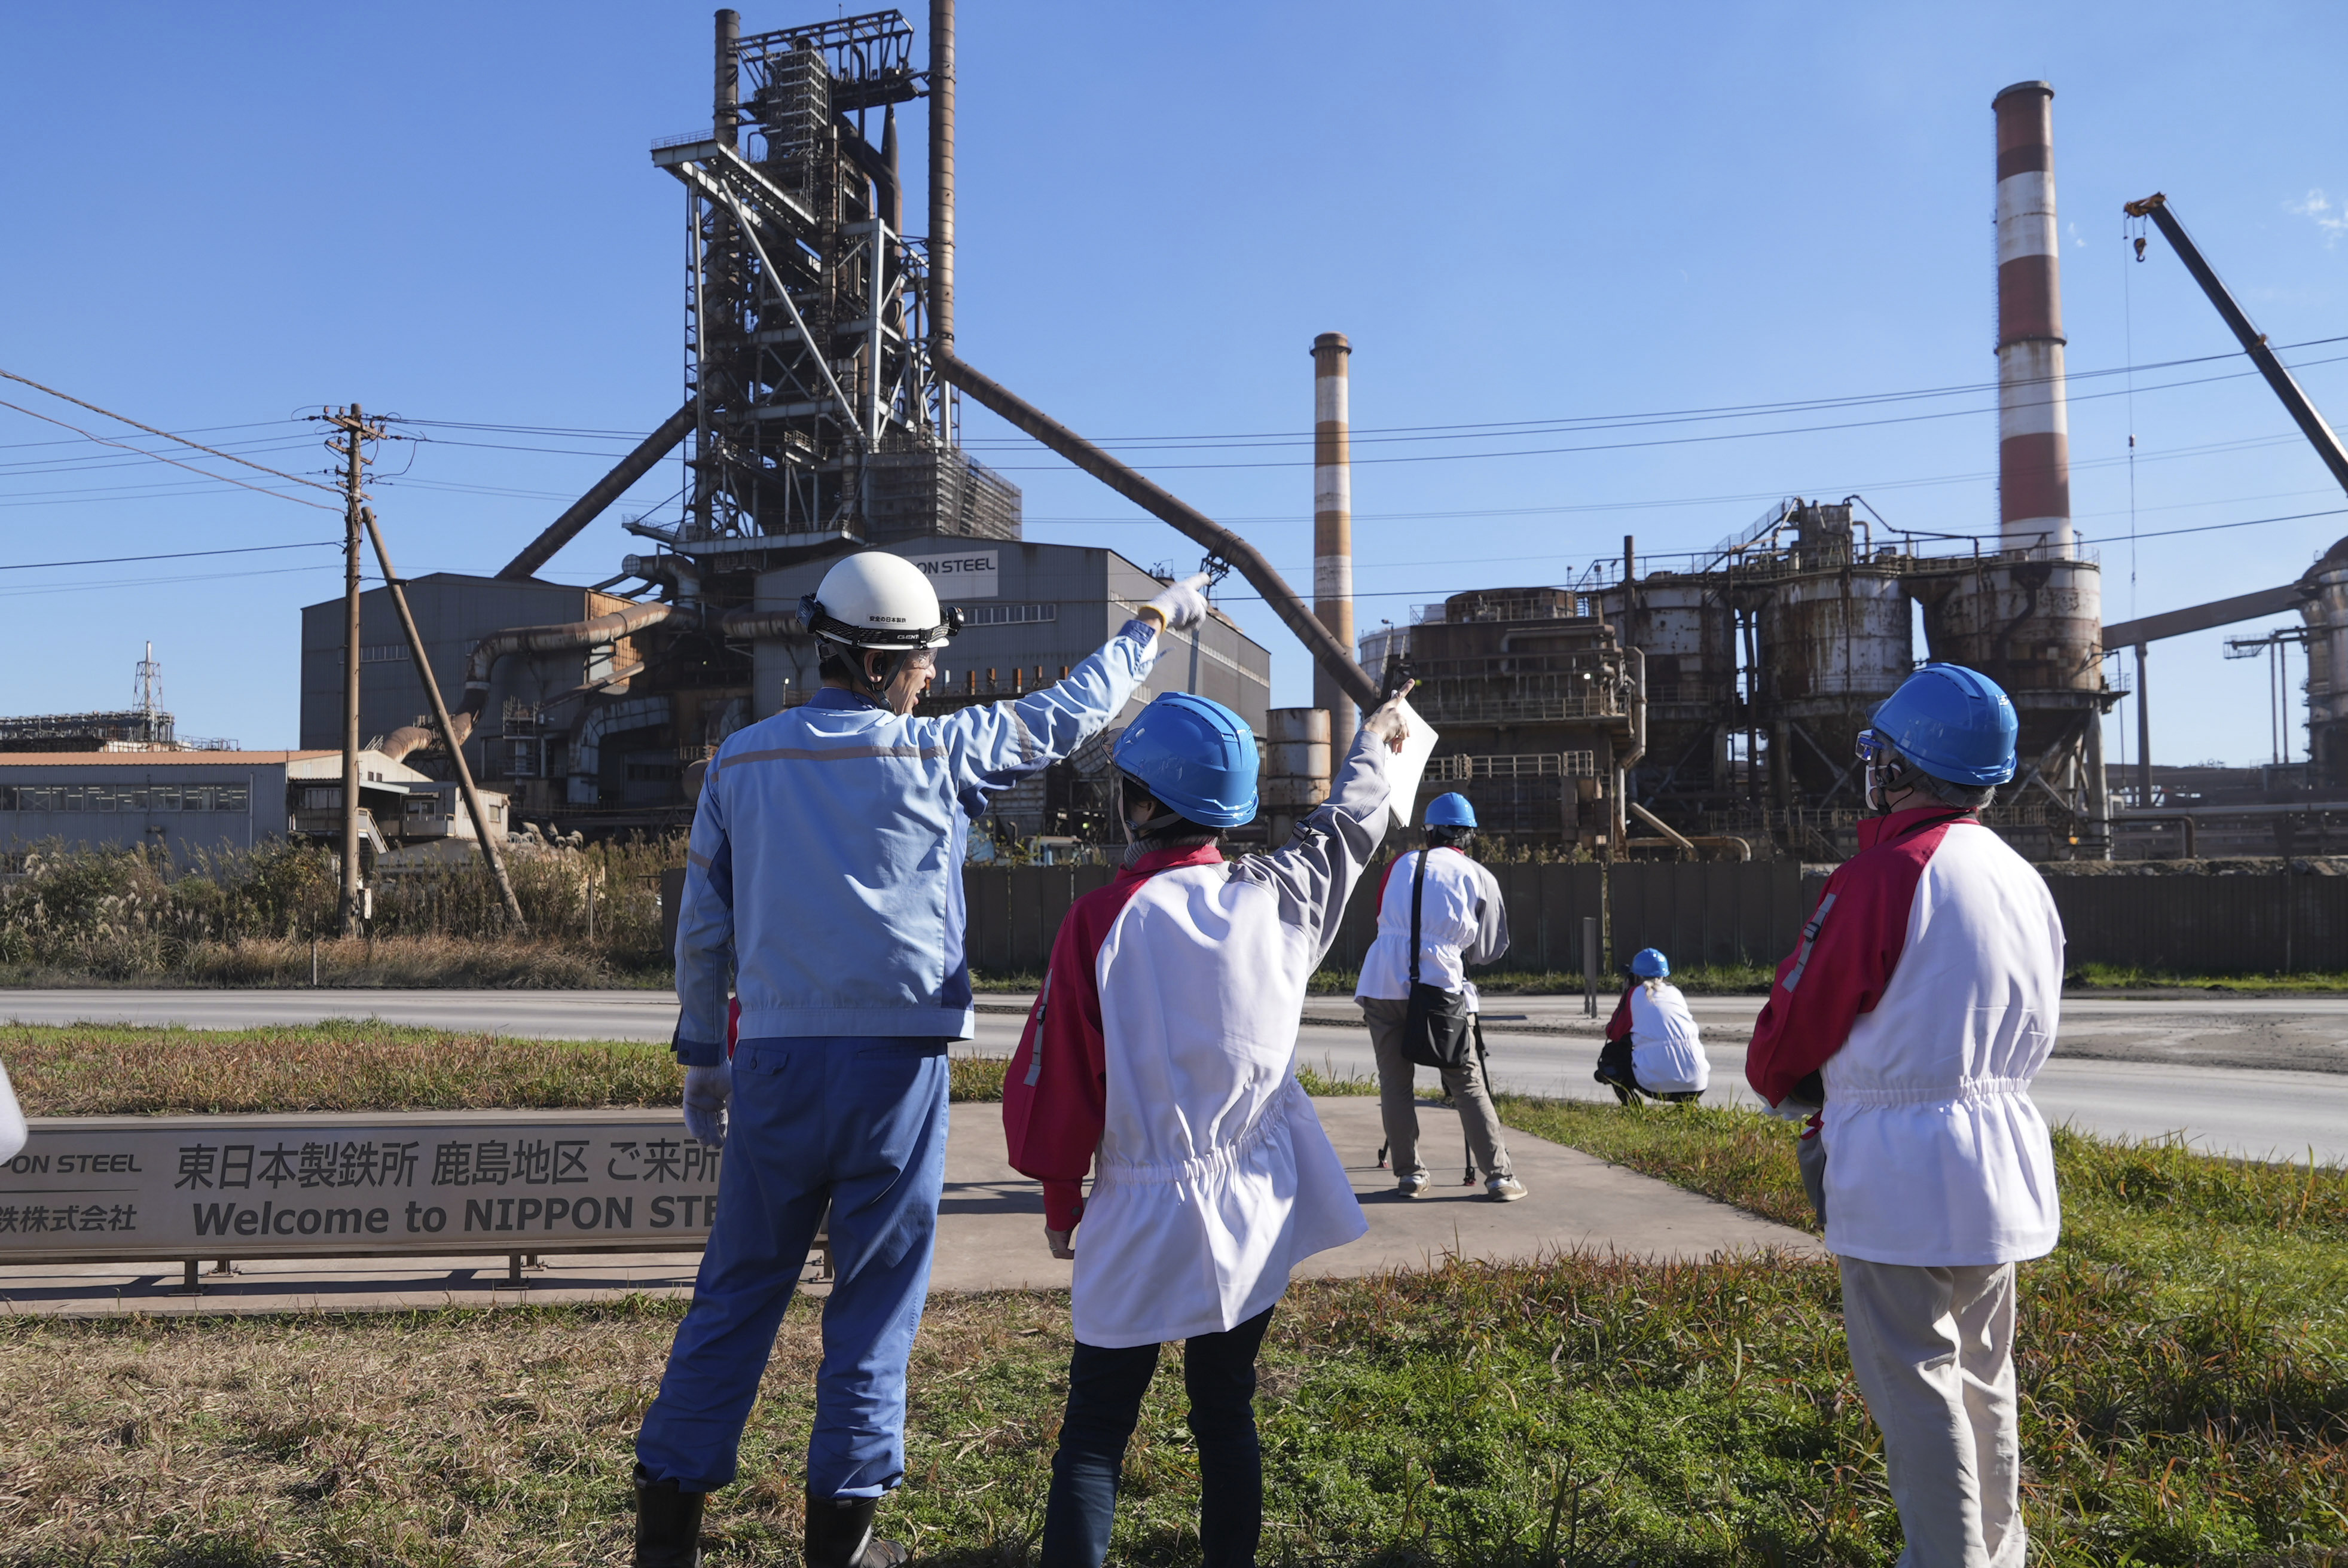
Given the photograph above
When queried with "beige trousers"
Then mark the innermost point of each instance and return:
(1398, 1100)
(1933, 1352)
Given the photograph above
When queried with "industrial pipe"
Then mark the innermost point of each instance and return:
(761, 625)
(1630, 759)
(727, 117)
(1328, 654)
(606, 490)
(496, 862)
(558, 639)
(941, 176)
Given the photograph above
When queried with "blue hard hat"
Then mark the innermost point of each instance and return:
(1649, 964)
(1450, 811)
(1953, 722)
(1196, 756)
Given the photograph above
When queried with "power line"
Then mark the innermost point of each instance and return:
(158, 456)
(150, 430)
(169, 555)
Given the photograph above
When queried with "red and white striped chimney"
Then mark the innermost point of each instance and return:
(2033, 452)
(1332, 519)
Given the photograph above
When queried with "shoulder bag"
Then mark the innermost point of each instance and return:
(1436, 1031)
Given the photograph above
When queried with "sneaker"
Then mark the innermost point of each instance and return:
(1505, 1189)
(1413, 1186)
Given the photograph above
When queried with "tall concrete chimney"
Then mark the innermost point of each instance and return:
(2033, 452)
(1333, 522)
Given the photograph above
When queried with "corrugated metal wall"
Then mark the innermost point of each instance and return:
(1721, 914)
(1717, 914)
(2207, 925)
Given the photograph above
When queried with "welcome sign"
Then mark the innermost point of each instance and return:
(128, 1188)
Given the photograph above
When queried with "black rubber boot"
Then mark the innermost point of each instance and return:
(840, 1534)
(668, 1524)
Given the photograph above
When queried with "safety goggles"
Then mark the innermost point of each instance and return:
(1872, 746)
(920, 659)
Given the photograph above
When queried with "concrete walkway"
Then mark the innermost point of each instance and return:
(991, 1236)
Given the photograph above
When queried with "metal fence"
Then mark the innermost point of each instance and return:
(1726, 913)
(2260, 924)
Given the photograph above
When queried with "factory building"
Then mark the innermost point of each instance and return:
(185, 803)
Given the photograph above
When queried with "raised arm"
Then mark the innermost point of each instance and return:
(993, 746)
(1314, 874)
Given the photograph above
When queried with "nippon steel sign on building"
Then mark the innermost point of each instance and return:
(106, 1188)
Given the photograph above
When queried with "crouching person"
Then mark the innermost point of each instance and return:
(1160, 1057)
(1653, 1046)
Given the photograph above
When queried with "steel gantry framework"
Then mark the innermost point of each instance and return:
(816, 416)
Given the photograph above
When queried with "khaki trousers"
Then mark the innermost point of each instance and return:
(1398, 1101)
(1933, 1352)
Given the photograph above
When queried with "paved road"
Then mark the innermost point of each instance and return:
(2260, 1077)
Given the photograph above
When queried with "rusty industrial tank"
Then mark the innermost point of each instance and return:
(2326, 614)
(2035, 626)
(1682, 623)
(1834, 645)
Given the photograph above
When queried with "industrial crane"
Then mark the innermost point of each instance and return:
(2243, 607)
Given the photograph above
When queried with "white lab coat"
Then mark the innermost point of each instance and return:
(1213, 1178)
(1666, 1051)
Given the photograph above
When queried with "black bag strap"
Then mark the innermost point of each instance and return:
(1417, 890)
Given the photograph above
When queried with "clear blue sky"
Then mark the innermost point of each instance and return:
(224, 216)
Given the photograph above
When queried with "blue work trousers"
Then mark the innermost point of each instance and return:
(1105, 1390)
(857, 1121)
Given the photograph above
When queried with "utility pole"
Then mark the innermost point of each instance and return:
(483, 828)
(356, 432)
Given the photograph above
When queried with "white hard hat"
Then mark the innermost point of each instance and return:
(875, 599)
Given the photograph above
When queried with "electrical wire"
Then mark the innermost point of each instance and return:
(169, 555)
(158, 456)
(94, 409)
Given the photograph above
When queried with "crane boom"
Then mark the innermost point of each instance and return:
(2254, 343)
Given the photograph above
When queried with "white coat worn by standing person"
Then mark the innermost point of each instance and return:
(824, 882)
(1907, 1027)
(1161, 1057)
(1461, 921)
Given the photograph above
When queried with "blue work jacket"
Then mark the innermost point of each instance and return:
(824, 874)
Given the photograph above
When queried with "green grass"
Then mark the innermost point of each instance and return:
(2123, 977)
(2183, 1358)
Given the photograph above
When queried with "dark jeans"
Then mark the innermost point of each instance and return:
(1105, 1390)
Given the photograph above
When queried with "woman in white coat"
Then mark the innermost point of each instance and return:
(1160, 1057)
(1653, 1046)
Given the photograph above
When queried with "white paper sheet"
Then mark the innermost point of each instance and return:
(1407, 766)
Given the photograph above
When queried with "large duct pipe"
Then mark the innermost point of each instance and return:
(726, 117)
(598, 632)
(2033, 452)
(606, 490)
(941, 176)
(1328, 654)
(1332, 518)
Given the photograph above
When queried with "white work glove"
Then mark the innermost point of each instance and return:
(1182, 605)
(1386, 723)
(707, 1090)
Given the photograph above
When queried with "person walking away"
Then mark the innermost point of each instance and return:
(1922, 1001)
(1462, 920)
(1652, 1045)
(1161, 1057)
(825, 877)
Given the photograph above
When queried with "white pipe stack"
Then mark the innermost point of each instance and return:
(2033, 462)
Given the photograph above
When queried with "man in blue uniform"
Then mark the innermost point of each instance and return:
(825, 879)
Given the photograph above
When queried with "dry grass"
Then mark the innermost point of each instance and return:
(342, 1064)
